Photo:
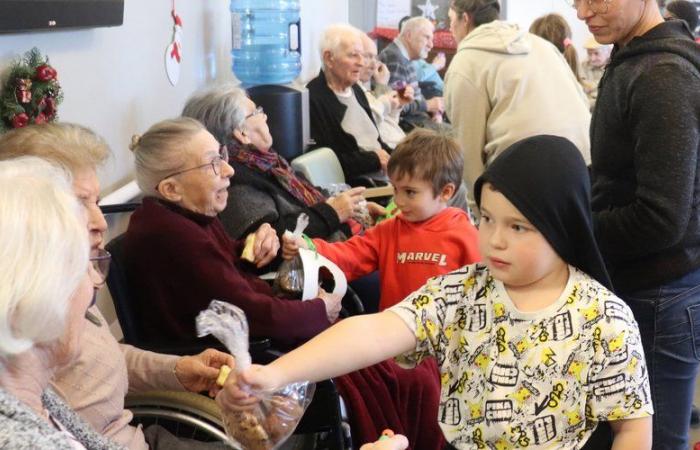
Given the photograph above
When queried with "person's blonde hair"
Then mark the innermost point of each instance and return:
(44, 252)
(555, 29)
(433, 156)
(68, 145)
(162, 150)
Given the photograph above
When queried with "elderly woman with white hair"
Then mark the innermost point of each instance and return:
(340, 115)
(97, 381)
(178, 257)
(265, 188)
(47, 283)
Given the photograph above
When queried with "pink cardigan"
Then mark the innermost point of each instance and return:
(96, 383)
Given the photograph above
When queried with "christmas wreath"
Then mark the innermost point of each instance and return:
(31, 93)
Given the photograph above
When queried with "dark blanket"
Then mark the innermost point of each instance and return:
(387, 396)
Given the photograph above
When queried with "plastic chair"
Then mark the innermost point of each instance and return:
(320, 166)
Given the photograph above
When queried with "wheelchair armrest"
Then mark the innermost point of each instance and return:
(256, 346)
(362, 180)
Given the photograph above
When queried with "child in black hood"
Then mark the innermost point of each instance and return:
(534, 350)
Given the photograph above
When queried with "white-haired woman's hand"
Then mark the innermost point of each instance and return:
(267, 244)
(397, 442)
(346, 203)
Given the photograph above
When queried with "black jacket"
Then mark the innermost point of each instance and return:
(644, 147)
(256, 198)
(326, 115)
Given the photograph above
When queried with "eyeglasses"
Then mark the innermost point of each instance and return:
(100, 265)
(258, 110)
(597, 6)
(214, 163)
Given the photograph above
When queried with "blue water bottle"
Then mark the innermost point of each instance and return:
(265, 41)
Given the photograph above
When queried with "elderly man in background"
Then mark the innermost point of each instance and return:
(340, 115)
(414, 42)
(385, 102)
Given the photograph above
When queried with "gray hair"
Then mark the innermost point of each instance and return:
(220, 109)
(334, 36)
(44, 252)
(413, 24)
(161, 151)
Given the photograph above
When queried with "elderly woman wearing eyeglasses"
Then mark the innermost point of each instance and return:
(97, 381)
(265, 188)
(178, 255)
(47, 285)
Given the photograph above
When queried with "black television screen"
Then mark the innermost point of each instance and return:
(28, 15)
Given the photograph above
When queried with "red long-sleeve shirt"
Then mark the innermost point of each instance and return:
(406, 253)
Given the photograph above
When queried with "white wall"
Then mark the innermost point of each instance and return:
(114, 78)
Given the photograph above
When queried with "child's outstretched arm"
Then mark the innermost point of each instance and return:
(351, 344)
(632, 434)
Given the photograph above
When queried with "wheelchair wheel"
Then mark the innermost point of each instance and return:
(184, 414)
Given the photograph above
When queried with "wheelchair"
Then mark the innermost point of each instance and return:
(195, 416)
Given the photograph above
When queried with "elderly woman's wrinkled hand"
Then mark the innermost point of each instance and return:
(397, 442)
(291, 245)
(198, 373)
(346, 203)
(267, 245)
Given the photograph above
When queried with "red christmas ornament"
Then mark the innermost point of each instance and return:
(20, 120)
(45, 73)
(40, 118)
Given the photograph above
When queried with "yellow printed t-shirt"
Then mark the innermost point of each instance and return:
(513, 379)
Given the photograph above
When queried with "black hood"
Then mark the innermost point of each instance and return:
(672, 36)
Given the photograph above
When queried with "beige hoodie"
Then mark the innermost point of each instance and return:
(505, 84)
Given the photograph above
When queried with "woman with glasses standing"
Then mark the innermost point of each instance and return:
(645, 145)
(95, 384)
(178, 257)
(47, 287)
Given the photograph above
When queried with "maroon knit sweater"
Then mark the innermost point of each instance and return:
(177, 261)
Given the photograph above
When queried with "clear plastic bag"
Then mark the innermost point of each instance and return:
(289, 281)
(361, 214)
(272, 421)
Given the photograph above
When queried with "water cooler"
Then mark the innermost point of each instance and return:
(266, 57)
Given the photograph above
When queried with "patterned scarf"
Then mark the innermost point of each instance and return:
(271, 162)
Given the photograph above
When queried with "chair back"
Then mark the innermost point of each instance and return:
(119, 290)
(320, 166)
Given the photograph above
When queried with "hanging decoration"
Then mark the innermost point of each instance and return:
(31, 93)
(429, 10)
(173, 53)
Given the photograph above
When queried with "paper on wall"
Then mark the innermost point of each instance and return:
(312, 262)
(390, 12)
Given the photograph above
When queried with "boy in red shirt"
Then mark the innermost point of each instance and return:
(426, 239)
